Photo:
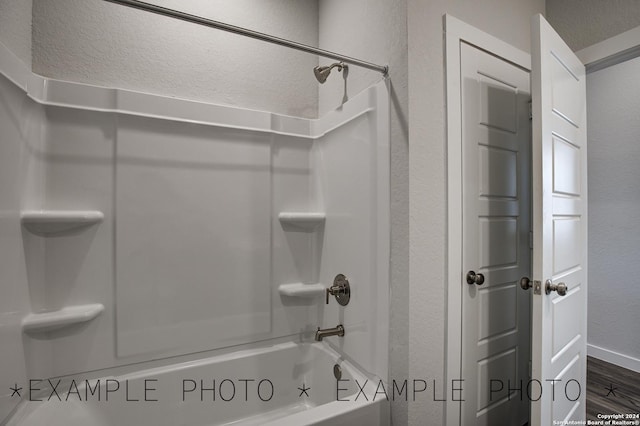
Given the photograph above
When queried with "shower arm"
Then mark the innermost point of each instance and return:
(338, 65)
(384, 69)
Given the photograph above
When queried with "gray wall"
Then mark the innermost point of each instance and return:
(95, 42)
(15, 28)
(613, 99)
(582, 23)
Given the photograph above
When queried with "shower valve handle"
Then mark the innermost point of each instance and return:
(334, 290)
(340, 290)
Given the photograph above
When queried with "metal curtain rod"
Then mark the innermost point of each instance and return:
(384, 69)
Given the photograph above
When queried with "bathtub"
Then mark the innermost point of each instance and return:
(284, 384)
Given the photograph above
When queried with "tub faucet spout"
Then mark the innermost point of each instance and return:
(336, 331)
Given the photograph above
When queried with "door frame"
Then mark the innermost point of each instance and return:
(601, 55)
(456, 32)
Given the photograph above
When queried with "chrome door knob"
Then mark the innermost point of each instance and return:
(560, 288)
(473, 278)
(526, 283)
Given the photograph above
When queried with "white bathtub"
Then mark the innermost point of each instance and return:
(259, 386)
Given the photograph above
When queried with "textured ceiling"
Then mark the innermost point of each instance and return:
(582, 23)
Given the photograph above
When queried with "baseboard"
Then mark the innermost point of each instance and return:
(612, 357)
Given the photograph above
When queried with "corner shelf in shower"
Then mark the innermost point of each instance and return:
(302, 221)
(50, 222)
(65, 317)
(301, 290)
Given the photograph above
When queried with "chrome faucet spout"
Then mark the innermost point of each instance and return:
(336, 331)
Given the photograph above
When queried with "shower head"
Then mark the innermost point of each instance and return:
(322, 72)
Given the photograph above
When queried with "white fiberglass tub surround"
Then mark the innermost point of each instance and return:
(287, 384)
(153, 228)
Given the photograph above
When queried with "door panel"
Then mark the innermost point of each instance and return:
(496, 225)
(498, 181)
(566, 167)
(560, 227)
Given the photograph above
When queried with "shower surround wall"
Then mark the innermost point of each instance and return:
(14, 303)
(191, 252)
(69, 155)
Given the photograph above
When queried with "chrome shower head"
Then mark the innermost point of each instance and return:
(322, 72)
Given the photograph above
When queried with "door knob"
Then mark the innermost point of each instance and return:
(473, 278)
(561, 288)
(526, 283)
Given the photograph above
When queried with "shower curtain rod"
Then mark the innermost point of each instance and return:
(384, 69)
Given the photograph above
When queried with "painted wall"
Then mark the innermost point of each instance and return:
(427, 172)
(376, 31)
(582, 23)
(106, 44)
(613, 99)
(15, 28)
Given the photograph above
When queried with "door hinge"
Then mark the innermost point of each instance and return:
(530, 111)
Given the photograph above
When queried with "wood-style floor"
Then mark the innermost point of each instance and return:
(611, 389)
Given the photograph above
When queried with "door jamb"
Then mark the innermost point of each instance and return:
(456, 32)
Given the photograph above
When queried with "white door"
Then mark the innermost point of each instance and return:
(560, 229)
(496, 224)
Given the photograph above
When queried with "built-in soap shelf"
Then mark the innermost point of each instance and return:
(300, 221)
(51, 222)
(301, 290)
(65, 317)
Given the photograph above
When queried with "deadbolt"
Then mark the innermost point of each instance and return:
(561, 288)
(473, 278)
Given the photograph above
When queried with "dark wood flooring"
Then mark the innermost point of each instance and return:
(611, 389)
